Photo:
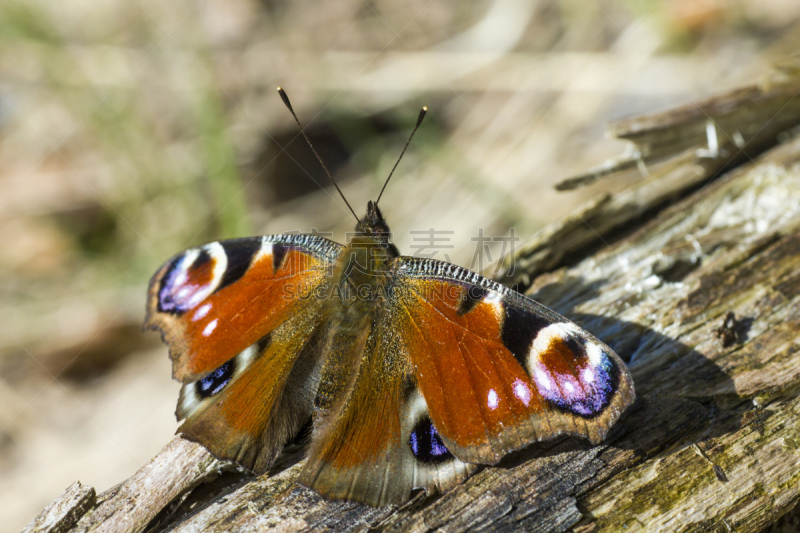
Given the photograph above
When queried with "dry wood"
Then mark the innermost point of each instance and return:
(742, 123)
(178, 468)
(713, 443)
(721, 127)
(64, 511)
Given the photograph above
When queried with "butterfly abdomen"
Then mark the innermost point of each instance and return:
(359, 288)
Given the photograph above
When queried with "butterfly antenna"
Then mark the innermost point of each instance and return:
(419, 121)
(321, 162)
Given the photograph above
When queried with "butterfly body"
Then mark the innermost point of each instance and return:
(413, 370)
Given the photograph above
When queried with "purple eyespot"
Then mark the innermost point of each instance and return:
(215, 381)
(426, 445)
(572, 373)
(191, 278)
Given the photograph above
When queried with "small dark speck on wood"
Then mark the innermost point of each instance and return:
(731, 331)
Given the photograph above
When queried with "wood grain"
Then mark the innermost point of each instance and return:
(64, 511)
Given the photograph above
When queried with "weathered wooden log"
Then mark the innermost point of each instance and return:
(64, 511)
(712, 445)
(676, 151)
(724, 127)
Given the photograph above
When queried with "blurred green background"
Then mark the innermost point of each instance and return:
(130, 130)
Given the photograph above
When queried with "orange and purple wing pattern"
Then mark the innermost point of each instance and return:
(375, 442)
(212, 302)
(498, 370)
(454, 370)
(243, 323)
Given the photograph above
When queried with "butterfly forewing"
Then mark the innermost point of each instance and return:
(499, 371)
(212, 302)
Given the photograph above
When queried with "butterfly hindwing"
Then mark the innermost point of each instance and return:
(498, 370)
(374, 440)
(248, 408)
(212, 302)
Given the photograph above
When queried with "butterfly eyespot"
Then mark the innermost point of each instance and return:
(572, 373)
(426, 445)
(191, 278)
(215, 381)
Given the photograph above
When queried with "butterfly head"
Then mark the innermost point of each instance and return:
(373, 224)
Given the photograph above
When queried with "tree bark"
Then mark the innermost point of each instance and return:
(713, 443)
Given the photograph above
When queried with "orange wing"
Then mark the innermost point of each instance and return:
(243, 322)
(212, 302)
(249, 407)
(373, 439)
(452, 369)
(498, 370)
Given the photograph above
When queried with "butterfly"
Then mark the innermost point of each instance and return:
(412, 370)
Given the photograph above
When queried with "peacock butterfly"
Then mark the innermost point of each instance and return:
(413, 370)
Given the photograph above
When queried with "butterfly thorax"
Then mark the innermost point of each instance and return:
(364, 268)
(361, 283)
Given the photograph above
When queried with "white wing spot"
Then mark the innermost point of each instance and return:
(496, 301)
(522, 391)
(201, 312)
(492, 401)
(542, 379)
(595, 353)
(210, 327)
(264, 252)
(247, 355)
